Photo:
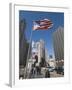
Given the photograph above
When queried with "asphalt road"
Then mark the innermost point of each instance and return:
(52, 75)
(42, 75)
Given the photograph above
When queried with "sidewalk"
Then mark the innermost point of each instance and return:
(54, 74)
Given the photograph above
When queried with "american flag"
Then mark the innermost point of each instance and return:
(44, 24)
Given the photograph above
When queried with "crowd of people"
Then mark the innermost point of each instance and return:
(36, 70)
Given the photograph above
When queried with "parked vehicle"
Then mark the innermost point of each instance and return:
(60, 70)
(51, 69)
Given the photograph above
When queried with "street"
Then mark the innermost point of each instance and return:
(41, 74)
(52, 75)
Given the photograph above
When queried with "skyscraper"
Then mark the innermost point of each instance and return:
(58, 42)
(46, 55)
(41, 50)
(38, 48)
(23, 44)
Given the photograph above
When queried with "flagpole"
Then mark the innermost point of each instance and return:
(26, 76)
(43, 26)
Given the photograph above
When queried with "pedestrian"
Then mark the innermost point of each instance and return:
(47, 74)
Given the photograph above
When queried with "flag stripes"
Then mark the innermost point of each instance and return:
(42, 24)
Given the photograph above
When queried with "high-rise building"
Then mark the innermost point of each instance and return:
(46, 55)
(41, 50)
(23, 44)
(58, 43)
(38, 48)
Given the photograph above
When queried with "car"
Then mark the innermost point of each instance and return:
(50, 69)
(60, 70)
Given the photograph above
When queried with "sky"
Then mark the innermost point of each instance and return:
(56, 17)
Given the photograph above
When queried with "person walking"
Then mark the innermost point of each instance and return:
(47, 74)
